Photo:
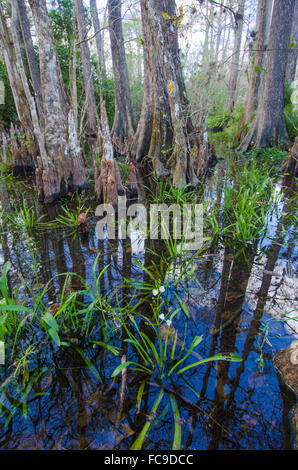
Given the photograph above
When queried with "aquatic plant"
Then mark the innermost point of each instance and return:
(161, 356)
(243, 217)
(165, 192)
(25, 218)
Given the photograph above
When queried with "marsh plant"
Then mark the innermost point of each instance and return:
(161, 357)
(71, 214)
(24, 218)
(151, 344)
(248, 202)
(165, 192)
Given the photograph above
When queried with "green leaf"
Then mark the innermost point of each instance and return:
(218, 357)
(110, 348)
(140, 395)
(15, 308)
(177, 425)
(50, 321)
(54, 335)
(138, 443)
(121, 367)
(165, 16)
(89, 364)
(196, 341)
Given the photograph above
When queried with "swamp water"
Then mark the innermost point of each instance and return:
(64, 397)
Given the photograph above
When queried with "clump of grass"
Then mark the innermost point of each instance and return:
(165, 192)
(70, 217)
(160, 355)
(243, 217)
(25, 218)
(124, 168)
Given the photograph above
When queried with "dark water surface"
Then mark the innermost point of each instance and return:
(237, 406)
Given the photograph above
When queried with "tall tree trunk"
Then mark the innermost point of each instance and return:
(107, 178)
(61, 165)
(251, 101)
(15, 80)
(232, 92)
(99, 42)
(31, 57)
(269, 128)
(21, 156)
(124, 122)
(165, 126)
(220, 27)
(93, 123)
(205, 53)
(293, 53)
(73, 71)
(154, 132)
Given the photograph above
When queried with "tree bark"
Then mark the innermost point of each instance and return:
(107, 179)
(73, 71)
(93, 123)
(31, 57)
(232, 92)
(154, 132)
(123, 128)
(99, 42)
(251, 101)
(165, 127)
(269, 128)
(61, 165)
(15, 81)
(293, 53)
(291, 165)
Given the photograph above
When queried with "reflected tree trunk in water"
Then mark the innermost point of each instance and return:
(230, 318)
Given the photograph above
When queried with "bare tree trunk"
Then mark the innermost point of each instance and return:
(205, 54)
(165, 126)
(15, 81)
(31, 57)
(232, 95)
(93, 123)
(154, 132)
(251, 101)
(269, 127)
(293, 52)
(107, 179)
(61, 167)
(99, 43)
(73, 72)
(124, 122)
(220, 27)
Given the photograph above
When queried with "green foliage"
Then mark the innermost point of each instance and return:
(225, 126)
(218, 122)
(62, 28)
(291, 114)
(164, 192)
(8, 112)
(271, 159)
(24, 219)
(242, 220)
(69, 218)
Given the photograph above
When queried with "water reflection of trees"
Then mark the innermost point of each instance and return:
(80, 412)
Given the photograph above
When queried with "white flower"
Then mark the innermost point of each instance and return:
(161, 316)
(162, 289)
(155, 292)
(169, 322)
